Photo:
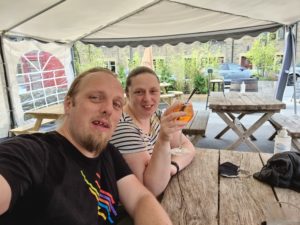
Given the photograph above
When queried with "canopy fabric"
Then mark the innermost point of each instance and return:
(143, 22)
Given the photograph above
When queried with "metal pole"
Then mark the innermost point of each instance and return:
(7, 88)
(293, 63)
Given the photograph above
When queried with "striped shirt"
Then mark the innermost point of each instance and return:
(129, 138)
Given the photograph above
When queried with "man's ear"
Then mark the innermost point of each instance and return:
(67, 104)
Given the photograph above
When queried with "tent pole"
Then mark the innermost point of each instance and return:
(7, 88)
(294, 73)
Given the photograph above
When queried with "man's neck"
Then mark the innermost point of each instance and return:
(65, 132)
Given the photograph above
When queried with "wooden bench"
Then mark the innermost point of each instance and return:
(197, 126)
(167, 98)
(292, 124)
(178, 94)
(28, 128)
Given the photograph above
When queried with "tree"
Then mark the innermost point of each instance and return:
(262, 55)
(87, 56)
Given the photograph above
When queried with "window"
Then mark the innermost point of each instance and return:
(41, 80)
(111, 65)
(280, 34)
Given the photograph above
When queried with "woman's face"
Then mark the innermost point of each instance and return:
(144, 94)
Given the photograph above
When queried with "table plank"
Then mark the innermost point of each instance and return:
(193, 193)
(242, 200)
(50, 112)
(239, 102)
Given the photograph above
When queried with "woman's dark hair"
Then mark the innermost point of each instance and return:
(137, 71)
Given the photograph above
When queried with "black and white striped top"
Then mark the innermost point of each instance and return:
(128, 138)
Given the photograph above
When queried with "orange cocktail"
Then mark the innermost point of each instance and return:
(186, 107)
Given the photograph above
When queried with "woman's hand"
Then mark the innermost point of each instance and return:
(169, 123)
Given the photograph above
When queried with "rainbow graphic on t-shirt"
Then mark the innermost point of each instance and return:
(105, 199)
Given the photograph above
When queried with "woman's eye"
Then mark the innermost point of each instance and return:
(138, 92)
(154, 91)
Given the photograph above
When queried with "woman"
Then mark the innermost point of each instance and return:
(145, 137)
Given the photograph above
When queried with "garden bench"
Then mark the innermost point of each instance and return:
(292, 125)
(28, 128)
(197, 126)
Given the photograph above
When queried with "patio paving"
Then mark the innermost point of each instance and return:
(216, 124)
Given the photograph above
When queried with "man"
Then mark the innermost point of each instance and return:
(72, 176)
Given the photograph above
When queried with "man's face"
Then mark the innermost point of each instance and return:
(93, 114)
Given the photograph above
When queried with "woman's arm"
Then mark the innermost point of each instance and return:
(159, 169)
(184, 159)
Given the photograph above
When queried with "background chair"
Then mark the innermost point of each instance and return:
(213, 84)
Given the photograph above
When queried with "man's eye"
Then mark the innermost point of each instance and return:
(95, 98)
(118, 105)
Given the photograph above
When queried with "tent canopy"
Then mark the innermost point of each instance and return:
(145, 22)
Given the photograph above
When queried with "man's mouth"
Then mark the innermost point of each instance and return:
(101, 123)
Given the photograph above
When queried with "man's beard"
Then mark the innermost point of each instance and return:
(94, 144)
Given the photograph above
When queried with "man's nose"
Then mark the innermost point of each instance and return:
(106, 109)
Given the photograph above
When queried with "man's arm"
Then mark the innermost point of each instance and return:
(5, 195)
(141, 205)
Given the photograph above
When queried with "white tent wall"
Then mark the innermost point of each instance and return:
(4, 108)
(14, 50)
(144, 22)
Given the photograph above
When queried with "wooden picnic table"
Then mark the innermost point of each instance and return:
(199, 196)
(242, 104)
(163, 87)
(50, 112)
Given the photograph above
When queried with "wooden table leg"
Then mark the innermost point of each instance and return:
(227, 128)
(244, 135)
(37, 125)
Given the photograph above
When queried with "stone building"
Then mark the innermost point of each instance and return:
(231, 50)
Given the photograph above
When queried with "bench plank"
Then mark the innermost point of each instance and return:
(28, 128)
(167, 98)
(292, 124)
(197, 126)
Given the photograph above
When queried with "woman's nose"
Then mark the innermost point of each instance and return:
(147, 96)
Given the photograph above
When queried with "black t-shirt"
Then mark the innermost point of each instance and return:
(53, 183)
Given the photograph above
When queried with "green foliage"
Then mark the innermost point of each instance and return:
(122, 75)
(135, 61)
(164, 73)
(188, 69)
(200, 83)
(262, 55)
(87, 57)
